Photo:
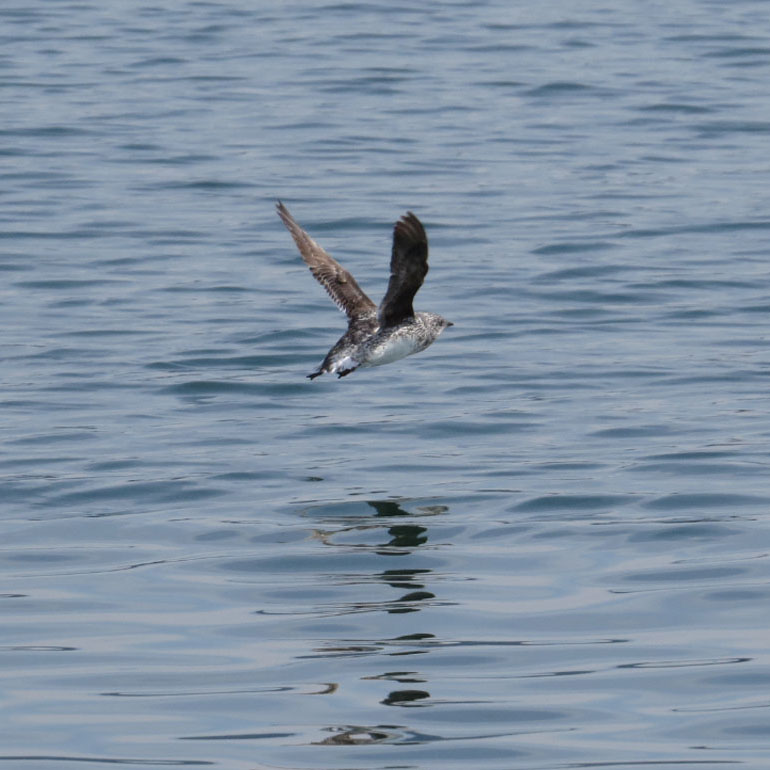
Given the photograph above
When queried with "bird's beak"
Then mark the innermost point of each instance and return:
(449, 323)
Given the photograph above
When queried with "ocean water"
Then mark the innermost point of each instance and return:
(542, 544)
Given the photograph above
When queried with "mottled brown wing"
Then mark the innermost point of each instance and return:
(408, 268)
(338, 282)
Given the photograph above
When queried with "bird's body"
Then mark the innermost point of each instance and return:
(375, 335)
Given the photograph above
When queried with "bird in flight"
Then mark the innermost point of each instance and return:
(375, 335)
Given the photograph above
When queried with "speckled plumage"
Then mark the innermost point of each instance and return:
(375, 335)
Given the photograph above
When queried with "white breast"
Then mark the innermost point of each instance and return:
(392, 349)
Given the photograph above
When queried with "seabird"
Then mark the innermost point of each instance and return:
(375, 335)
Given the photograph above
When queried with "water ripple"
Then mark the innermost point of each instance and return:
(526, 547)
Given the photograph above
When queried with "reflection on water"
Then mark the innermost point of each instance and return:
(406, 540)
(404, 697)
(356, 736)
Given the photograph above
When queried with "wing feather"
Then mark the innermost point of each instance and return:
(338, 282)
(408, 268)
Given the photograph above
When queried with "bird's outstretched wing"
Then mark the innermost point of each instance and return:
(338, 282)
(408, 268)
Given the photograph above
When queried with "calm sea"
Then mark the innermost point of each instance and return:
(542, 544)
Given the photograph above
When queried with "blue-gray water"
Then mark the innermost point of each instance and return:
(542, 544)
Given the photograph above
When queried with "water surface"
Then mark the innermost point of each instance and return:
(541, 544)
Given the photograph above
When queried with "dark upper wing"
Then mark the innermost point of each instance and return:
(408, 268)
(342, 287)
